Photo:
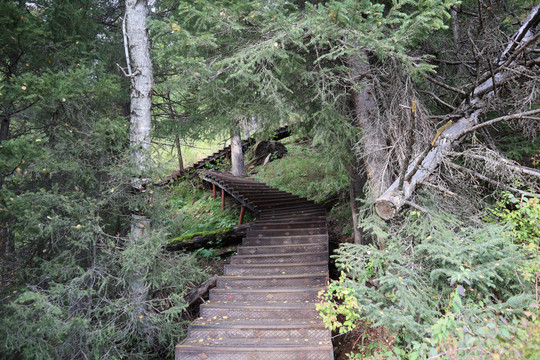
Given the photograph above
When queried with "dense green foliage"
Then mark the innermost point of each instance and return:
(435, 272)
(64, 200)
(442, 281)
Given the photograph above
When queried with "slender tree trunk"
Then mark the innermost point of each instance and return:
(455, 29)
(237, 154)
(356, 192)
(373, 136)
(179, 152)
(140, 72)
(4, 128)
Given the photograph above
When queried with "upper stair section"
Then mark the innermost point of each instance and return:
(213, 159)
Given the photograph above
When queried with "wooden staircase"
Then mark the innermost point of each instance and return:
(263, 307)
(279, 134)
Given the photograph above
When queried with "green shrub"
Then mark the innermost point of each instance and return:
(435, 275)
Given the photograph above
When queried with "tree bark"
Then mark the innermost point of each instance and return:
(237, 154)
(4, 128)
(390, 202)
(356, 192)
(142, 82)
(179, 152)
(140, 73)
(373, 137)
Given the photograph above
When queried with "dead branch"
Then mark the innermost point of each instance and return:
(503, 161)
(201, 290)
(390, 202)
(523, 115)
(489, 180)
(447, 87)
(439, 100)
(440, 188)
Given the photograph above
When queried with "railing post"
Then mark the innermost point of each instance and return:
(242, 209)
(222, 199)
(214, 190)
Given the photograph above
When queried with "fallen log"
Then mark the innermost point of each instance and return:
(397, 194)
(201, 290)
(209, 239)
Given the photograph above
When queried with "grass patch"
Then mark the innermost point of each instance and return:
(192, 151)
(305, 171)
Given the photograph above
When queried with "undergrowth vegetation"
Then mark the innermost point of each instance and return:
(196, 211)
(445, 287)
(305, 171)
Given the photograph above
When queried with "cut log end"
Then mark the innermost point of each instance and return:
(386, 209)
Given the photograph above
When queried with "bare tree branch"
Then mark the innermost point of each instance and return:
(523, 115)
(390, 202)
(447, 87)
(501, 160)
(489, 180)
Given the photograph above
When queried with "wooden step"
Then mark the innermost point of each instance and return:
(297, 294)
(285, 240)
(262, 329)
(289, 225)
(264, 281)
(288, 213)
(310, 350)
(282, 249)
(320, 267)
(285, 232)
(291, 220)
(280, 259)
(259, 310)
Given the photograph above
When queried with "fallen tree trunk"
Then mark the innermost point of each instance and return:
(210, 239)
(391, 201)
(201, 290)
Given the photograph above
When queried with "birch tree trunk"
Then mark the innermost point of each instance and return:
(390, 202)
(140, 73)
(238, 167)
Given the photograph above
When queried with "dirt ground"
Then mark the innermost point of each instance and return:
(363, 340)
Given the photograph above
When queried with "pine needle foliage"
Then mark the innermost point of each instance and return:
(430, 267)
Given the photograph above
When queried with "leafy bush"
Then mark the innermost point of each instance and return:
(435, 275)
(523, 216)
